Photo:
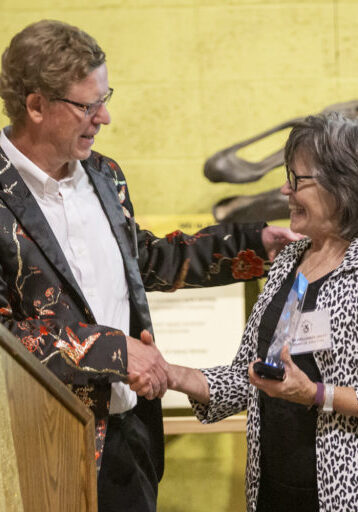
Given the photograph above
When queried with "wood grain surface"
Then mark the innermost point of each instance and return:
(53, 434)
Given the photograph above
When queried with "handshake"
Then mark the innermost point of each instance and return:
(149, 375)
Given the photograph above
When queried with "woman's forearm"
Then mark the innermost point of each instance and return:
(190, 381)
(345, 401)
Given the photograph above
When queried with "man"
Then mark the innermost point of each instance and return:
(74, 264)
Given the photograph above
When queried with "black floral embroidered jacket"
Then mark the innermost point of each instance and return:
(42, 304)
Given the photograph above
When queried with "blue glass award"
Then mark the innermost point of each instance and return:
(285, 331)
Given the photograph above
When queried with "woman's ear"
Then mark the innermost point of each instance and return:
(35, 104)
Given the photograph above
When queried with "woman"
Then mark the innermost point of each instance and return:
(302, 435)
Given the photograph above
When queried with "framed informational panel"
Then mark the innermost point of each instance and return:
(197, 327)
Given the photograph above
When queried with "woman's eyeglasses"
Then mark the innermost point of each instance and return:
(293, 178)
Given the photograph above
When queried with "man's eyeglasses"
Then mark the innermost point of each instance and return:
(293, 178)
(89, 108)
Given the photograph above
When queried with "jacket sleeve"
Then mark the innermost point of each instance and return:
(76, 351)
(217, 255)
(214, 256)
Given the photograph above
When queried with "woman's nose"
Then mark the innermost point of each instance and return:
(286, 188)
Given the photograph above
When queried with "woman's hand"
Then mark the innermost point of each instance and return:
(296, 386)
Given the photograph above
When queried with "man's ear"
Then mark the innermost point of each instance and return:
(35, 103)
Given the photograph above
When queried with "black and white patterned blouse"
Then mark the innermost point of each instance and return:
(337, 434)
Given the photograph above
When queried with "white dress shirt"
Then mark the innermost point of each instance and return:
(75, 215)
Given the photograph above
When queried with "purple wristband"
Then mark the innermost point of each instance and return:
(319, 398)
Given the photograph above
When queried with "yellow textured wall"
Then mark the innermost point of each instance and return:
(191, 77)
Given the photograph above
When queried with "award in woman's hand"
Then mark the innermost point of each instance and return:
(285, 332)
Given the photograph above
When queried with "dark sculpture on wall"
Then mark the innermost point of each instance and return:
(226, 166)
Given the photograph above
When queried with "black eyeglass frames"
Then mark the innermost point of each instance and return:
(293, 178)
(89, 108)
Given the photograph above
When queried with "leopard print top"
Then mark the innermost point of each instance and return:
(337, 434)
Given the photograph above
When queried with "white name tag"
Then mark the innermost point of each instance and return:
(313, 332)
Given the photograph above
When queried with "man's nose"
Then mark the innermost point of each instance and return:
(102, 115)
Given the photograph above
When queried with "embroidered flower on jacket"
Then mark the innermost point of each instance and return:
(6, 311)
(187, 240)
(43, 330)
(50, 292)
(52, 300)
(32, 343)
(247, 265)
(170, 236)
(83, 393)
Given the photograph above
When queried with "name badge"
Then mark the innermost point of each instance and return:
(313, 332)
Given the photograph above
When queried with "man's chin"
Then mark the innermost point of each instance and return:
(83, 154)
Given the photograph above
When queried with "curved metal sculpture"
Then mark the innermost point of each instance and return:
(271, 205)
(226, 166)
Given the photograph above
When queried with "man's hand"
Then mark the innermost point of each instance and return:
(274, 238)
(147, 369)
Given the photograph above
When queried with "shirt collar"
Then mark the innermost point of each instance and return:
(38, 181)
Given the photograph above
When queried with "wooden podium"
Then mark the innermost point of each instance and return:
(47, 442)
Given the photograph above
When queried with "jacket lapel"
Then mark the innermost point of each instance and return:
(106, 191)
(105, 188)
(18, 198)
